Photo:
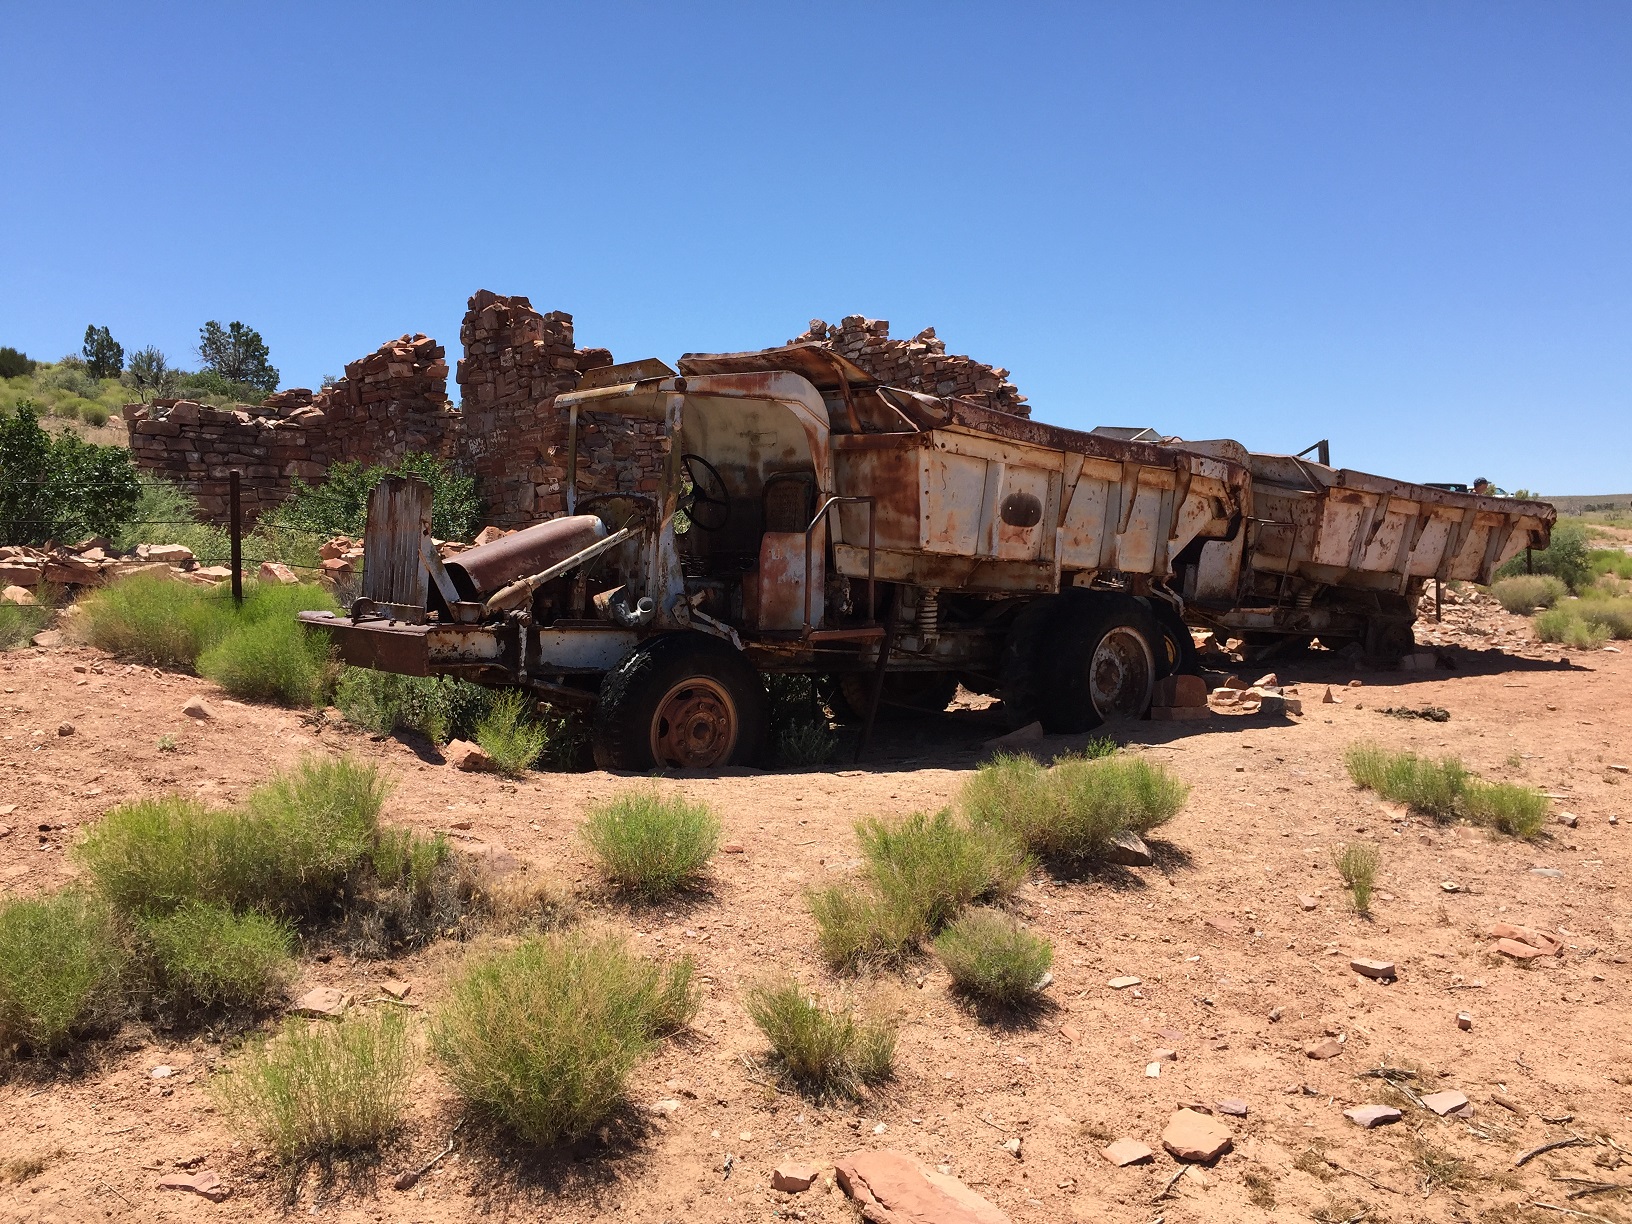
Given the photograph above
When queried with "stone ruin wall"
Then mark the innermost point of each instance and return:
(505, 432)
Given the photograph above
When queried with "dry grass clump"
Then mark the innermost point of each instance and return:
(542, 1037)
(649, 843)
(1568, 627)
(1445, 789)
(993, 958)
(1525, 593)
(323, 1088)
(204, 956)
(922, 871)
(824, 1049)
(1357, 863)
(1074, 810)
(61, 966)
(20, 622)
(511, 735)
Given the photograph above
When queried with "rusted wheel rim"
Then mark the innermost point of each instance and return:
(1120, 673)
(695, 725)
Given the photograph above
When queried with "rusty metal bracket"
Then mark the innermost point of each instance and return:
(517, 592)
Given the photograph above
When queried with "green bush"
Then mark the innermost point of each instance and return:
(1607, 611)
(165, 513)
(649, 843)
(1566, 625)
(1357, 863)
(15, 364)
(274, 659)
(510, 734)
(1616, 562)
(1075, 809)
(921, 872)
(543, 1037)
(20, 622)
(61, 963)
(289, 850)
(438, 707)
(318, 1089)
(824, 1049)
(339, 506)
(995, 959)
(1518, 811)
(1565, 557)
(59, 488)
(206, 956)
(1527, 592)
(154, 620)
(1430, 787)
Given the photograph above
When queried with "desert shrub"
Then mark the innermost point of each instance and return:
(59, 488)
(649, 843)
(1526, 592)
(1614, 562)
(854, 925)
(154, 620)
(1565, 557)
(288, 851)
(339, 505)
(317, 1089)
(799, 724)
(1518, 811)
(273, 660)
(438, 707)
(207, 956)
(14, 363)
(933, 866)
(401, 856)
(510, 734)
(20, 622)
(61, 963)
(542, 1037)
(805, 744)
(1075, 809)
(1431, 787)
(165, 513)
(1606, 611)
(993, 958)
(1567, 626)
(1357, 863)
(823, 1048)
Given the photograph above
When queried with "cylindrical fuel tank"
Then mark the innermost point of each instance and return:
(479, 572)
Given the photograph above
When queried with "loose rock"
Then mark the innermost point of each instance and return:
(1447, 1102)
(462, 754)
(1329, 1047)
(1122, 983)
(1383, 971)
(66, 728)
(1368, 1116)
(1128, 849)
(1125, 1152)
(203, 1183)
(1232, 1107)
(197, 708)
(1195, 1136)
(321, 1001)
(893, 1188)
(794, 1176)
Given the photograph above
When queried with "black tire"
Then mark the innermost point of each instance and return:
(906, 695)
(702, 675)
(1178, 655)
(1020, 664)
(1101, 651)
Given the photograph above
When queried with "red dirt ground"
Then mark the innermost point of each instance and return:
(1214, 930)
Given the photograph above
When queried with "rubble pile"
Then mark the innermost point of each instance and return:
(93, 562)
(919, 364)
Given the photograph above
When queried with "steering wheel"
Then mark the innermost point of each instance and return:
(708, 504)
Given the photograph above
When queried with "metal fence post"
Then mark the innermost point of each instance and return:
(236, 531)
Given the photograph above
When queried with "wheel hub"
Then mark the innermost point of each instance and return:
(1120, 674)
(695, 726)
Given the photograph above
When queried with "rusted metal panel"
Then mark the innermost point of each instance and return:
(382, 645)
(583, 647)
(774, 595)
(399, 518)
(816, 363)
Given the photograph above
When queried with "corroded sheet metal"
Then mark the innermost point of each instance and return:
(484, 569)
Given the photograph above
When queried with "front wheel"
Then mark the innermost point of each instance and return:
(1102, 653)
(681, 701)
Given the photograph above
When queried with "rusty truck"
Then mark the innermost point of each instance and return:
(808, 520)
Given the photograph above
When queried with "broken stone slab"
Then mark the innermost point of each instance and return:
(48, 638)
(893, 1188)
(21, 596)
(1122, 983)
(273, 571)
(1019, 740)
(1529, 935)
(1517, 950)
(1180, 692)
(1233, 1107)
(1127, 849)
(472, 758)
(170, 554)
(1125, 1152)
(1223, 923)
(1196, 1136)
(395, 988)
(1369, 1116)
(323, 1002)
(204, 1183)
(794, 1176)
(197, 708)
(1382, 971)
(1328, 1047)
(1306, 902)
(1448, 1102)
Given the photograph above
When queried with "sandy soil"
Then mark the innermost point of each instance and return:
(1215, 931)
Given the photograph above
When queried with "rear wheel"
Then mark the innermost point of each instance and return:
(682, 701)
(1177, 654)
(1021, 665)
(1102, 656)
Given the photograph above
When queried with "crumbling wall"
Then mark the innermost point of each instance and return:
(919, 364)
(507, 432)
(391, 402)
(516, 362)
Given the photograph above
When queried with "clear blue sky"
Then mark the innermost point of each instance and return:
(1404, 226)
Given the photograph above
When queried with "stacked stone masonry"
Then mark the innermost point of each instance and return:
(507, 432)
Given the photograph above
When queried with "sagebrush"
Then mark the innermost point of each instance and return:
(650, 843)
(62, 964)
(824, 1048)
(993, 958)
(1074, 810)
